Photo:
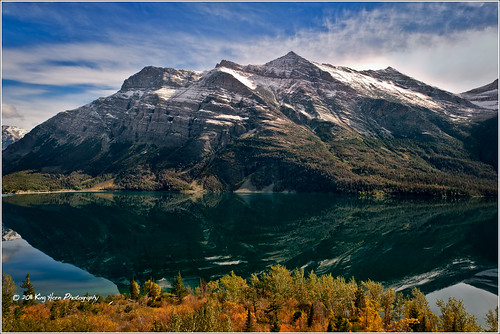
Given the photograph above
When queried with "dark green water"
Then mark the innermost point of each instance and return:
(432, 244)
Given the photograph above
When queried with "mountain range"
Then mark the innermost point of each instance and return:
(11, 134)
(288, 125)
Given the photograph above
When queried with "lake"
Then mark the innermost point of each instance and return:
(96, 242)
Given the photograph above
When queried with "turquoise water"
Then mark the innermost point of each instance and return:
(96, 242)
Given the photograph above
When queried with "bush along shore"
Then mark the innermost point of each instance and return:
(275, 300)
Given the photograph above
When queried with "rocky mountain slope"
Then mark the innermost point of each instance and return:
(485, 96)
(11, 134)
(288, 125)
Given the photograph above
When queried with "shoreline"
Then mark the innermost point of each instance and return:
(55, 192)
(243, 192)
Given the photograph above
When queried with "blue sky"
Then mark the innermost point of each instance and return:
(58, 56)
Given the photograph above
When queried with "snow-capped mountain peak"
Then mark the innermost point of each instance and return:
(11, 134)
(262, 125)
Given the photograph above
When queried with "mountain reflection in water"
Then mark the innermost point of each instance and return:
(431, 244)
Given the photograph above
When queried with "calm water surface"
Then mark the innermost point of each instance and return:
(104, 239)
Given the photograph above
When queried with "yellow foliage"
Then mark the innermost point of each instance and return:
(36, 312)
(102, 324)
(370, 319)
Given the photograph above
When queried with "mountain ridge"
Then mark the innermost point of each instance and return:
(485, 96)
(287, 125)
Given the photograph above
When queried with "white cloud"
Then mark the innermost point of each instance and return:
(10, 112)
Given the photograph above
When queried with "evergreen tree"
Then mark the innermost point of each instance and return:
(135, 290)
(18, 312)
(203, 287)
(249, 322)
(29, 291)
(179, 290)
(342, 324)
(330, 327)
(8, 290)
(53, 311)
(275, 326)
(359, 301)
(310, 318)
(413, 313)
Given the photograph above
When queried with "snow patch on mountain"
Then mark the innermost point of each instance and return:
(231, 117)
(165, 92)
(240, 76)
(374, 87)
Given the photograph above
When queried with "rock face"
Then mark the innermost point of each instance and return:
(11, 134)
(485, 96)
(288, 125)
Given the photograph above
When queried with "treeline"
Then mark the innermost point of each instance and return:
(276, 300)
(30, 180)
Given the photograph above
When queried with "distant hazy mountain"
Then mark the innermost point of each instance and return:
(288, 125)
(11, 134)
(485, 96)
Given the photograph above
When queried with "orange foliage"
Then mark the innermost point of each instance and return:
(237, 313)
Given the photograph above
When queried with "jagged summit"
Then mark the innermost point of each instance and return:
(292, 54)
(391, 69)
(229, 64)
(288, 125)
(288, 62)
(151, 77)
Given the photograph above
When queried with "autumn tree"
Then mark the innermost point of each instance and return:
(299, 287)
(254, 291)
(135, 290)
(152, 290)
(387, 300)
(492, 320)
(8, 290)
(277, 284)
(370, 318)
(29, 291)
(454, 318)
(313, 287)
(233, 287)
